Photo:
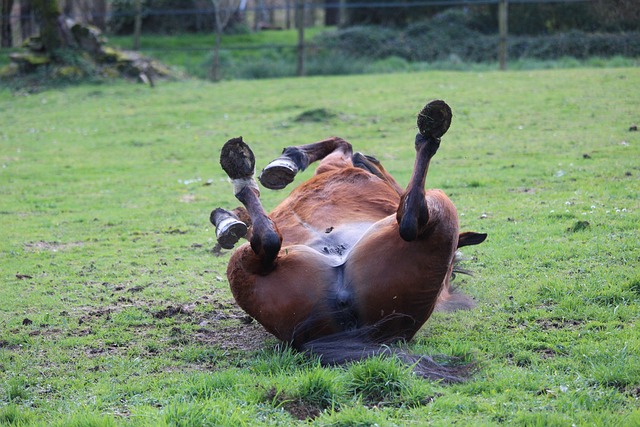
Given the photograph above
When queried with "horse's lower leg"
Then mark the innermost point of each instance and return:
(238, 162)
(281, 172)
(413, 214)
(265, 239)
(229, 227)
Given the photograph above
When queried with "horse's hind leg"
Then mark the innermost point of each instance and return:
(281, 172)
(238, 162)
(413, 213)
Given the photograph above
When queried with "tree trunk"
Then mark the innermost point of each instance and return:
(5, 19)
(99, 14)
(26, 19)
(48, 14)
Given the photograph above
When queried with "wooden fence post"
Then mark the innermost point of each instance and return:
(300, 24)
(137, 26)
(503, 25)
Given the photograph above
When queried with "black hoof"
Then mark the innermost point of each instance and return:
(229, 232)
(237, 159)
(434, 119)
(279, 173)
(229, 229)
(368, 163)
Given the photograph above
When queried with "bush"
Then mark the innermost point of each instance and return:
(360, 41)
(524, 18)
(450, 35)
(575, 44)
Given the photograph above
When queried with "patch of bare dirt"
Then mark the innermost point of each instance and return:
(188, 198)
(551, 324)
(235, 336)
(51, 246)
(547, 353)
(525, 190)
(296, 407)
(223, 324)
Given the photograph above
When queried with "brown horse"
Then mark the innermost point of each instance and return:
(349, 260)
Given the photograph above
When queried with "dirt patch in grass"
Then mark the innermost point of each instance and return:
(547, 353)
(235, 337)
(298, 408)
(550, 324)
(51, 246)
(223, 325)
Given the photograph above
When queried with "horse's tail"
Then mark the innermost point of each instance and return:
(354, 345)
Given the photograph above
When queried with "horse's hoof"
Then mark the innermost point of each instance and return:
(229, 231)
(237, 159)
(279, 173)
(434, 119)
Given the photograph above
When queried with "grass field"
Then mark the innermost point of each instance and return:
(115, 311)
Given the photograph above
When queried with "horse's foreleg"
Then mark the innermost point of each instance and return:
(413, 213)
(281, 172)
(238, 162)
(229, 228)
(265, 239)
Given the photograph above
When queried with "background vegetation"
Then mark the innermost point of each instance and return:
(115, 309)
(442, 43)
(540, 36)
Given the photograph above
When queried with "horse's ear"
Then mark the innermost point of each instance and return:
(469, 238)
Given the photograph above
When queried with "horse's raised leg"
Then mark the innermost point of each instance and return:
(238, 162)
(281, 172)
(413, 214)
(229, 228)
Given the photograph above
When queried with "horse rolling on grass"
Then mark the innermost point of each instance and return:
(349, 262)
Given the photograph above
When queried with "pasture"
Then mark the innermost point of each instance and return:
(114, 305)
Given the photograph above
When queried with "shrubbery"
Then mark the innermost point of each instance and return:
(449, 35)
(524, 18)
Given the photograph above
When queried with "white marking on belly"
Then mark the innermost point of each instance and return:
(337, 243)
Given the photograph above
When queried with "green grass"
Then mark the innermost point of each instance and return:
(115, 311)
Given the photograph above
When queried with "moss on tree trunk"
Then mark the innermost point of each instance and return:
(48, 13)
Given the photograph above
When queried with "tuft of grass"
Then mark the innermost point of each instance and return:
(15, 415)
(380, 380)
(279, 360)
(319, 387)
(17, 389)
(579, 226)
(318, 115)
(87, 420)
